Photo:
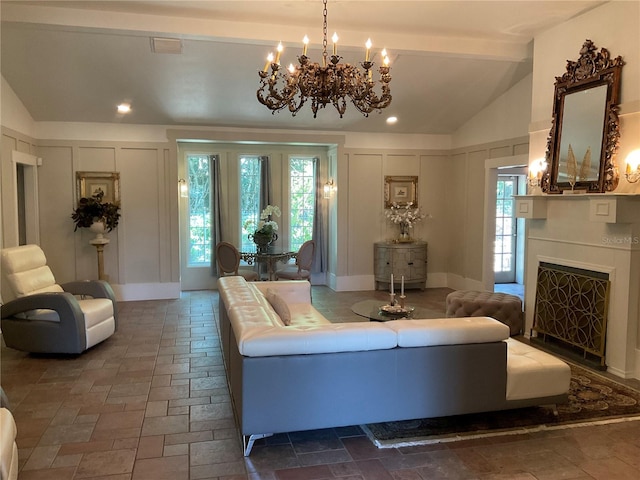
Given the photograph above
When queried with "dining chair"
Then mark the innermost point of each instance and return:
(301, 269)
(228, 260)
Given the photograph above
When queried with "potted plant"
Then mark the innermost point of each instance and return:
(92, 210)
(266, 231)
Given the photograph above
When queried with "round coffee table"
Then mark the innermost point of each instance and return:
(371, 310)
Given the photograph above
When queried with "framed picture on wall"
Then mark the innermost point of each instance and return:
(400, 191)
(92, 183)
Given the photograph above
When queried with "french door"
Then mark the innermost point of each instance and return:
(504, 262)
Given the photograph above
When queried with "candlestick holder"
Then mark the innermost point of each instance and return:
(402, 297)
(392, 299)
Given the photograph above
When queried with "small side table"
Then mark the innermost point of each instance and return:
(99, 243)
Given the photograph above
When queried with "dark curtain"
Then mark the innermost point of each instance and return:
(265, 182)
(215, 209)
(319, 262)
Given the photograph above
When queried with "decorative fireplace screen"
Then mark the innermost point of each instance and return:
(571, 306)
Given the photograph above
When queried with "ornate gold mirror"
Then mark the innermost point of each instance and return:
(585, 129)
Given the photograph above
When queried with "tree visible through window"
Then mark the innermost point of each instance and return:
(302, 200)
(199, 209)
(249, 198)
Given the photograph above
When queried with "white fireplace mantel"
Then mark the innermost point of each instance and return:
(604, 208)
(599, 232)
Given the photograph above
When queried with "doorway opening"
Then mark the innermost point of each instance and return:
(508, 252)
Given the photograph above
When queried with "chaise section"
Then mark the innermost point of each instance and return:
(532, 373)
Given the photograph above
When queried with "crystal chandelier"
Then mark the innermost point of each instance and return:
(329, 83)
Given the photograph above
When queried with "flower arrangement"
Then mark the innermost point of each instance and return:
(91, 209)
(266, 226)
(405, 216)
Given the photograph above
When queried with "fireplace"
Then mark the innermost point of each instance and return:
(571, 310)
(599, 233)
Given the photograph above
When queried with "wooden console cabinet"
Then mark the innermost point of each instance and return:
(408, 259)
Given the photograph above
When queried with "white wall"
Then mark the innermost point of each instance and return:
(614, 26)
(13, 113)
(507, 117)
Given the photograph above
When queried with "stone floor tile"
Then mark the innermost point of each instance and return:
(305, 473)
(150, 447)
(59, 434)
(41, 457)
(156, 409)
(178, 449)
(218, 471)
(169, 393)
(85, 447)
(191, 437)
(116, 433)
(162, 468)
(118, 420)
(200, 413)
(214, 451)
(165, 425)
(64, 473)
(610, 468)
(113, 462)
(67, 461)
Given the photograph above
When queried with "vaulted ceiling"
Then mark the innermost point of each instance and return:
(74, 61)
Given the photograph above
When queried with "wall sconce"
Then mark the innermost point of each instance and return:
(329, 188)
(184, 189)
(536, 170)
(632, 174)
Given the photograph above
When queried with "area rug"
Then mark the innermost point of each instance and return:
(593, 399)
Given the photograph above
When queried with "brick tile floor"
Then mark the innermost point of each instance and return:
(151, 403)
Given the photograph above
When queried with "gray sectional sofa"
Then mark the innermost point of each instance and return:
(290, 369)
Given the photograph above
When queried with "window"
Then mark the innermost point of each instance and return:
(199, 214)
(302, 200)
(249, 198)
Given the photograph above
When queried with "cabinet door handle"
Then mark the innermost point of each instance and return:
(410, 263)
(388, 263)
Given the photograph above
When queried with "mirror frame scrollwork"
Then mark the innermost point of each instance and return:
(592, 69)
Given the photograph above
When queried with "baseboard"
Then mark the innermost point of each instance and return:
(354, 283)
(146, 291)
(437, 280)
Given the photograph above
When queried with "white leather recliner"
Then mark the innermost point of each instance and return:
(44, 317)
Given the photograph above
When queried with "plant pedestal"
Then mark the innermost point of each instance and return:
(99, 243)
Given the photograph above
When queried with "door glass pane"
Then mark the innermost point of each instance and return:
(301, 201)
(249, 199)
(199, 215)
(505, 229)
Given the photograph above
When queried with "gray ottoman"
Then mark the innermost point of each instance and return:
(501, 306)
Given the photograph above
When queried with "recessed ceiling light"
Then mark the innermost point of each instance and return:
(392, 120)
(124, 108)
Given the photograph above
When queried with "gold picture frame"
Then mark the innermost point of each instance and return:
(400, 191)
(89, 183)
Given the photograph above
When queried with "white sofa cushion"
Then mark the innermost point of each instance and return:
(448, 331)
(533, 373)
(305, 315)
(255, 339)
(234, 291)
(293, 291)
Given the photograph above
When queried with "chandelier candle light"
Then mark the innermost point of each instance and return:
(329, 83)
